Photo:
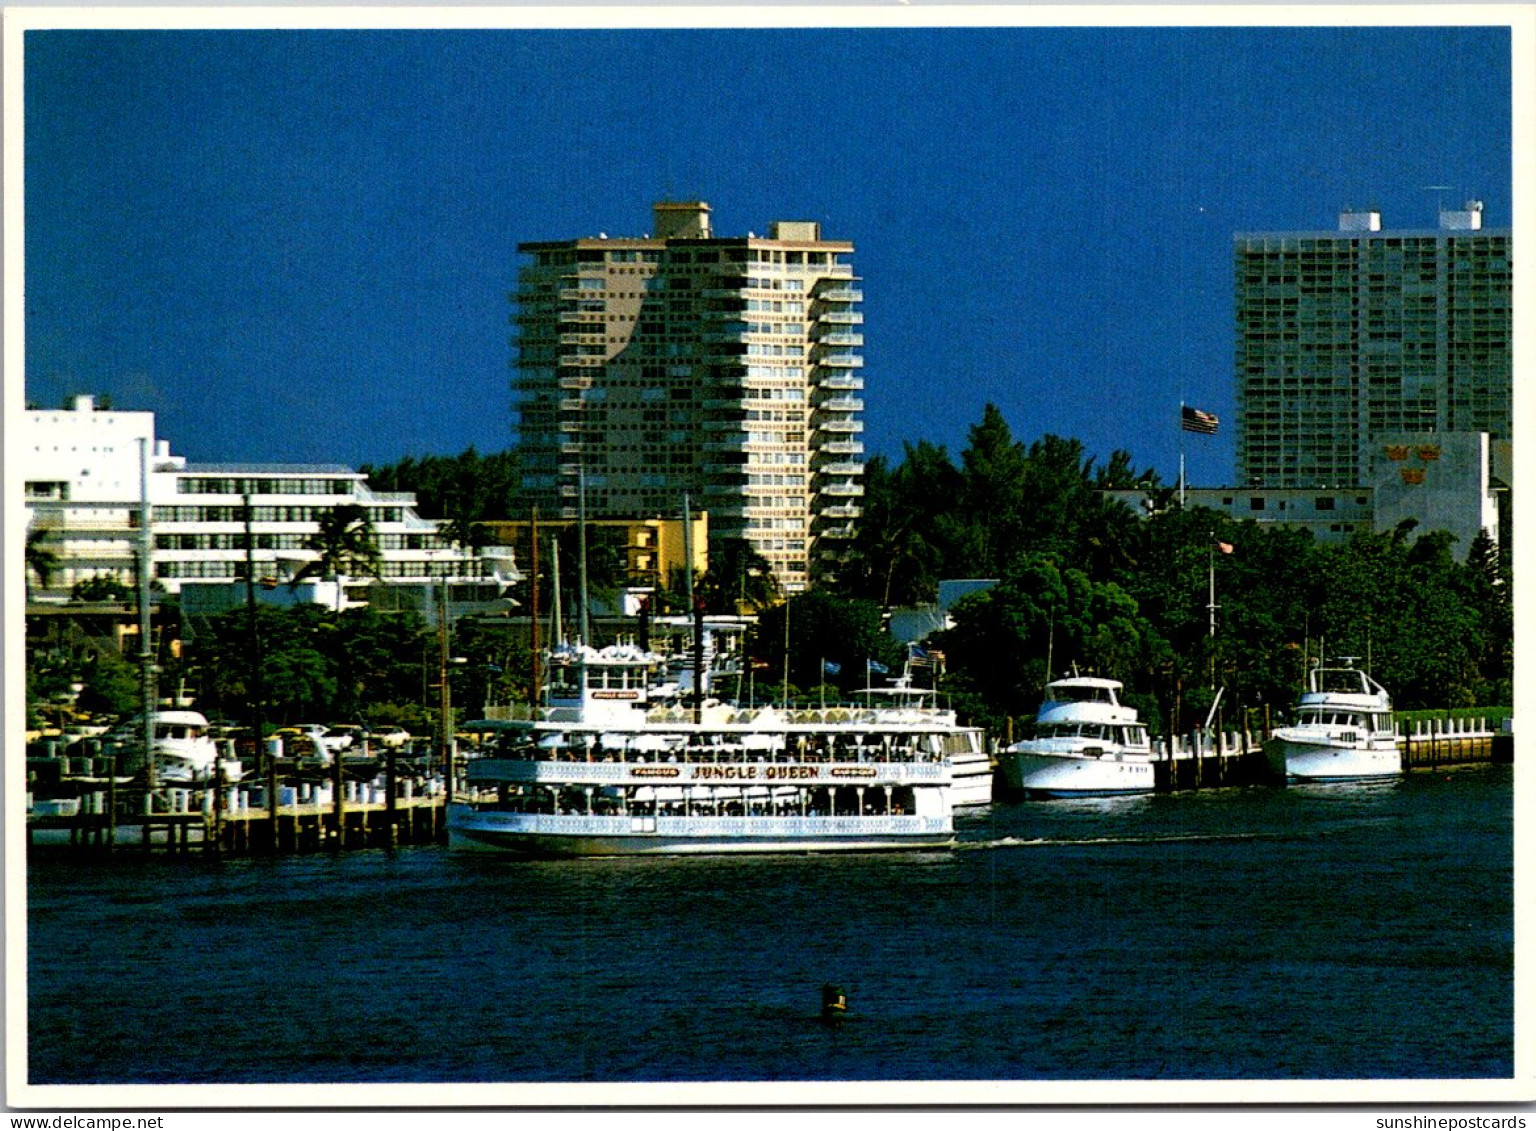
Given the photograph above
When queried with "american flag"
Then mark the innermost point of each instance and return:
(1194, 420)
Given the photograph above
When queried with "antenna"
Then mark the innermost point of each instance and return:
(1439, 200)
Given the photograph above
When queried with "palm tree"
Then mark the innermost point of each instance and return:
(739, 578)
(41, 560)
(345, 541)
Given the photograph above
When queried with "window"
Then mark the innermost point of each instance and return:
(1255, 504)
(1324, 502)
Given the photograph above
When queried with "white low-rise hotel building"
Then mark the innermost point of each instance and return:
(90, 472)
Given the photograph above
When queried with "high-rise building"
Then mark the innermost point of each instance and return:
(1349, 335)
(679, 362)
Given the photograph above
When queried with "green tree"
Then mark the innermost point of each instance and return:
(101, 588)
(41, 559)
(345, 543)
(739, 579)
(825, 627)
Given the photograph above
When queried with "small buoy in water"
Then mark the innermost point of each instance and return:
(834, 1003)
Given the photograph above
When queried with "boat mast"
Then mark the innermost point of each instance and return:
(581, 544)
(556, 628)
(536, 690)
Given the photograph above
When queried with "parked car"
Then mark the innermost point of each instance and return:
(394, 737)
(304, 740)
(342, 736)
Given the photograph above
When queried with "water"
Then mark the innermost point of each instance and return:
(1346, 931)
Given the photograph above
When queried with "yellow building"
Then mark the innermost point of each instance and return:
(655, 549)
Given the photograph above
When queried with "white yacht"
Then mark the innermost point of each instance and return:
(1086, 742)
(611, 768)
(1343, 729)
(184, 749)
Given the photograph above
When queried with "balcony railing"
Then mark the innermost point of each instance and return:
(841, 382)
(843, 490)
(841, 404)
(841, 426)
(841, 361)
(842, 447)
(841, 467)
(840, 338)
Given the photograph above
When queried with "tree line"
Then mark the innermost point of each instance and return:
(1082, 582)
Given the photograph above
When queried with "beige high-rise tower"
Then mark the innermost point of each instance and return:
(726, 369)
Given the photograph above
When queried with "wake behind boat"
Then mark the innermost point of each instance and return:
(1086, 742)
(608, 769)
(1343, 729)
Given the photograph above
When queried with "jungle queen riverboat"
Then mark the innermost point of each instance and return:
(614, 766)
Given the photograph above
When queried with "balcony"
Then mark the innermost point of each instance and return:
(843, 490)
(842, 382)
(735, 442)
(573, 405)
(840, 338)
(839, 294)
(841, 448)
(841, 318)
(726, 332)
(842, 467)
(848, 427)
(841, 404)
(836, 532)
(841, 361)
(843, 511)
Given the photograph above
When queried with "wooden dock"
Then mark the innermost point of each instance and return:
(111, 815)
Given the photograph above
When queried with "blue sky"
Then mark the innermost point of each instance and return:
(297, 246)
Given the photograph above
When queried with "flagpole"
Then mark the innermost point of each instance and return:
(1210, 553)
(1181, 455)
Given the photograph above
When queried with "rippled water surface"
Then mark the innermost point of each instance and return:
(1310, 932)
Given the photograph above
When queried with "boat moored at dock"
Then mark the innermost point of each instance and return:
(1343, 729)
(1086, 742)
(609, 768)
(184, 748)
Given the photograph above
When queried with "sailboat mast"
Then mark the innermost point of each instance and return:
(557, 630)
(536, 690)
(581, 544)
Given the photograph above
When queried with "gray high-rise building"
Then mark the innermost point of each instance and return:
(1347, 335)
(726, 368)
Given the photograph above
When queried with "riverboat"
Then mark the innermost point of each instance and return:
(1342, 729)
(614, 765)
(1086, 742)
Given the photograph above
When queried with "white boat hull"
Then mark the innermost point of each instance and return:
(970, 780)
(1075, 775)
(1312, 761)
(544, 835)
